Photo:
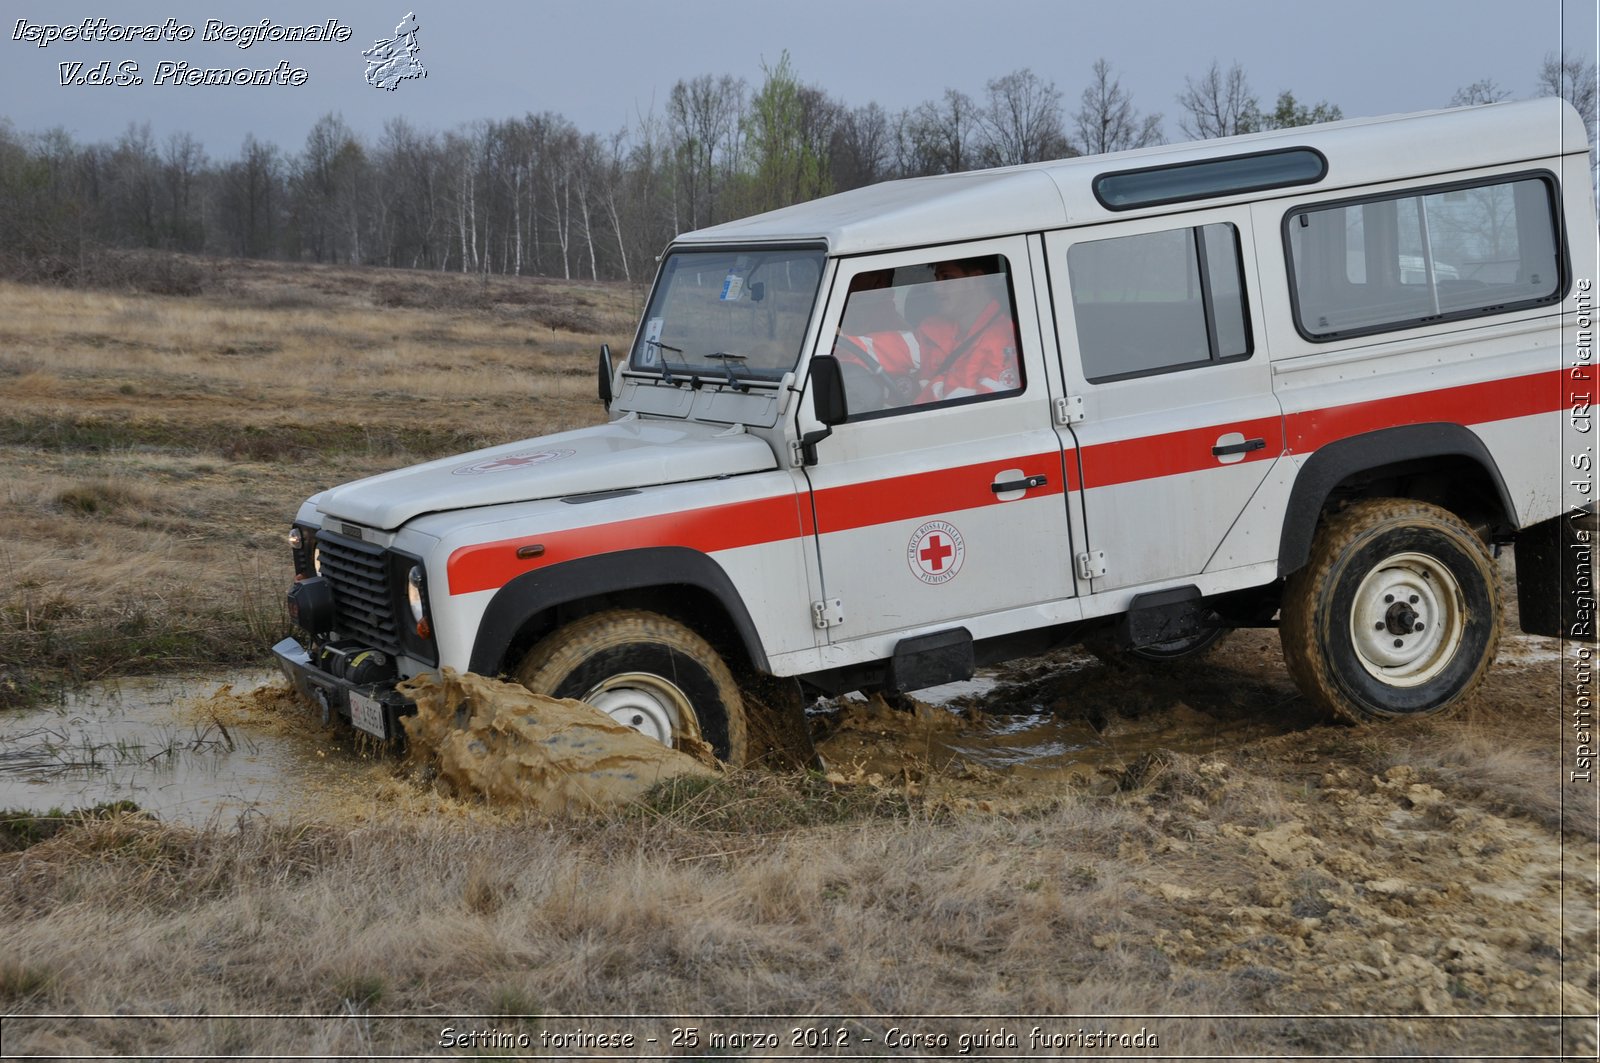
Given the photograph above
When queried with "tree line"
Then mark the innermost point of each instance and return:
(536, 195)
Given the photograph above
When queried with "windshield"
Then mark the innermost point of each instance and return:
(729, 314)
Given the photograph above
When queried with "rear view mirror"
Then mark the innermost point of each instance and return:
(827, 390)
(828, 400)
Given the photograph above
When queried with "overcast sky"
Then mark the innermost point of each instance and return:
(603, 63)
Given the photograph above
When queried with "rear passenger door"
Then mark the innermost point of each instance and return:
(1158, 333)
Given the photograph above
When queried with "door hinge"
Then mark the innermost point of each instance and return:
(1069, 409)
(1092, 565)
(827, 614)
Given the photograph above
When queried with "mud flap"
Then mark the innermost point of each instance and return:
(1165, 616)
(1555, 577)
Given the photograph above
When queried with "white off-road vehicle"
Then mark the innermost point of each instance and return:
(1310, 378)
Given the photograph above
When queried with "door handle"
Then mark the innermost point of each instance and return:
(1246, 447)
(1019, 485)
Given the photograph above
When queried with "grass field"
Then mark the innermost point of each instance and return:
(1262, 899)
(153, 449)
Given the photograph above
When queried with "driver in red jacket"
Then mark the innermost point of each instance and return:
(972, 332)
(966, 346)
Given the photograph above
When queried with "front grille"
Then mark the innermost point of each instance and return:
(359, 576)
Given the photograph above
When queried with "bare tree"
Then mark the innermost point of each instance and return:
(1218, 104)
(1573, 78)
(183, 161)
(1479, 92)
(1107, 120)
(938, 137)
(252, 195)
(860, 153)
(704, 119)
(1021, 121)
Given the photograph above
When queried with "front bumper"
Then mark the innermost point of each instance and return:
(380, 706)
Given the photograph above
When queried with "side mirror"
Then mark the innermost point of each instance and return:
(827, 390)
(828, 399)
(605, 375)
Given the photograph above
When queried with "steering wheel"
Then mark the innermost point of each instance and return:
(866, 386)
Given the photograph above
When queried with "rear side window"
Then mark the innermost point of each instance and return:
(1157, 302)
(1425, 256)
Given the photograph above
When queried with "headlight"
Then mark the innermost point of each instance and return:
(416, 597)
(297, 538)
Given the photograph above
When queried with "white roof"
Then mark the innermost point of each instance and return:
(1049, 195)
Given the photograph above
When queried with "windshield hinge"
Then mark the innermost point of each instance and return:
(1069, 409)
(826, 614)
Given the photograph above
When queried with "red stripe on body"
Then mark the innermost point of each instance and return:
(489, 566)
(1147, 457)
(926, 494)
(1492, 400)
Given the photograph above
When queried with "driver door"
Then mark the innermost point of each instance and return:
(943, 500)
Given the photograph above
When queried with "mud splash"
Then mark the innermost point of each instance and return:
(508, 744)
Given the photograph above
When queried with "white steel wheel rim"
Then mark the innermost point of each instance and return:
(1407, 619)
(648, 703)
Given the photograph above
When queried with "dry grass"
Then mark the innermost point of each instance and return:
(879, 916)
(154, 447)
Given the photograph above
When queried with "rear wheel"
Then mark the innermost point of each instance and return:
(1396, 614)
(646, 671)
(1192, 648)
(1178, 649)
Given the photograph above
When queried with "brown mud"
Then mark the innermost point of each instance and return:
(508, 744)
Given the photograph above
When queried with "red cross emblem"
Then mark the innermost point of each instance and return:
(512, 461)
(935, 552)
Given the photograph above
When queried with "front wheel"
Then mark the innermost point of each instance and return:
(646, 671)
(1396, 614)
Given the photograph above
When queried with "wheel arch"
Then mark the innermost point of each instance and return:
(675, 581)
(1443, 463)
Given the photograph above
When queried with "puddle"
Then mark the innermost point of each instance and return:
(148, 741)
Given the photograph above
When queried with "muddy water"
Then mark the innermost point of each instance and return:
(1064, 719)
(157, 742)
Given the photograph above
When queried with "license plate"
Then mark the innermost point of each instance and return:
(367, 714)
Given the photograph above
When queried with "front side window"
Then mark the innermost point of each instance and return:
(1158, 301)
(933, 333)
(1422, 257)
(734, 315)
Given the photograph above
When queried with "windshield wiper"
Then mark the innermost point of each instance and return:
(666, 374)
(733, 382)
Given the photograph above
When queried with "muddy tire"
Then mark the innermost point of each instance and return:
(1395, 615)
(646, 671)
